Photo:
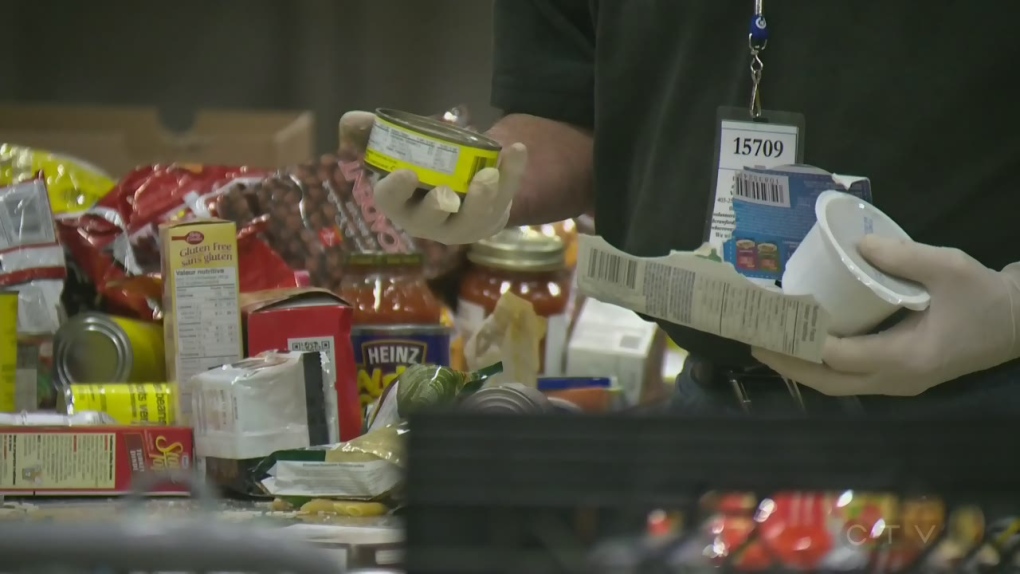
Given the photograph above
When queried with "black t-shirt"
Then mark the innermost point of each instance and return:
(914, 95)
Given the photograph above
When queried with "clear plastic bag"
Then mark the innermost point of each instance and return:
(31, 258)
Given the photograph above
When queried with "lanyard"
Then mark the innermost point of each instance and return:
(757, 39)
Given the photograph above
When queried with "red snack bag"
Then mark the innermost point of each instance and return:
(118, 238)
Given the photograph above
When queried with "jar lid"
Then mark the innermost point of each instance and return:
(520, 249)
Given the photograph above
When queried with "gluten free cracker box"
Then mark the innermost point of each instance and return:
(201, 307)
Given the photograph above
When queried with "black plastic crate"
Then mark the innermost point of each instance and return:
(511, 493)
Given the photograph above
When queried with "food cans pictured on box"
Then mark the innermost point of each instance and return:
(100, 348)
(126, 403)
(90, 460)
(8, 351)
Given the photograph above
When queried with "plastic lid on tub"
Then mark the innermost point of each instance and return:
(844, 220)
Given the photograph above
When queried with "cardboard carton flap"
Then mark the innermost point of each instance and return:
(262, 300)
(192, 222)
(119, 138)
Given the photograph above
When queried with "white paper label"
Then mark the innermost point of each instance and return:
(416, 150)
(742, 145)
(25, 216)
(359, 480)
(690, 290)
(470, 317)
(555, 345)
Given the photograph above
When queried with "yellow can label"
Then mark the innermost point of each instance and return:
(8, 352)
(129, 404)
(147, 349)
(436, 162)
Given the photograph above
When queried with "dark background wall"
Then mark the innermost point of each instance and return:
(327, 56)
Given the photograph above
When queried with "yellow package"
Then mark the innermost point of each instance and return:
(73, 185)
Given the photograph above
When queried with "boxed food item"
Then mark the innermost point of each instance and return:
(202, 316)
(118, 138)
(90, 460)
(248, 410)
(309, 320)
(610, 339)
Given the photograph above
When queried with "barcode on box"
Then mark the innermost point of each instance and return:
(315, 345)
(611, 268)
(762, 189)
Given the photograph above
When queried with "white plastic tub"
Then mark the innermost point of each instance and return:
(826, 265)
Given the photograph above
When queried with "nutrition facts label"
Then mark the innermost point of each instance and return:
(31, 461)
(207, 319)
(413, 149)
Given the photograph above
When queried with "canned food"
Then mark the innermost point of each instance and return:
(768, 257)
(509, 398)
(8, 352)
(383, 352)
(126, 403)
(98, 348)
(440, 154)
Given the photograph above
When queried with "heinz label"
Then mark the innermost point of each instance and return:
(382, 354)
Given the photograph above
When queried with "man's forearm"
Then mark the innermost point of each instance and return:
(558, 181)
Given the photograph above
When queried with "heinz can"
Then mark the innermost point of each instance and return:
(126, 403)
(99, 348)
(8, 352)
(383, 352)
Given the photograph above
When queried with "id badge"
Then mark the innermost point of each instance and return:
(773, 140)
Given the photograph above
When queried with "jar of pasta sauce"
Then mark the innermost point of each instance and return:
(397, 319)
(530, 265)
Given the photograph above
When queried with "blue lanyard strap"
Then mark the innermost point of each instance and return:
(757, 39)
(758, 36)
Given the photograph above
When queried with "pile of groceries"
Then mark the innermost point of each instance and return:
(272, 330)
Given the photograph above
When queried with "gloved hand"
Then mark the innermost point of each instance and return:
(441, 215)
(971, 325)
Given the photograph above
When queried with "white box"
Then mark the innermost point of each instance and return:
(608, 340)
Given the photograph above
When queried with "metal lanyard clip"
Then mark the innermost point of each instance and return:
(757, 40)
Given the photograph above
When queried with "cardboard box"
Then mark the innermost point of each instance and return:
(308, 320)
(119, 138)
(90, 460)
(610, 339)
(201, 309)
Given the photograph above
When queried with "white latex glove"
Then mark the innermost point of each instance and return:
(442, 215)
(971, 325)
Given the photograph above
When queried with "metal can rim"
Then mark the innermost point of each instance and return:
(440, 130)
(91, 322)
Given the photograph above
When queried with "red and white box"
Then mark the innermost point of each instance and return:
(308, 320)
(91, 460)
